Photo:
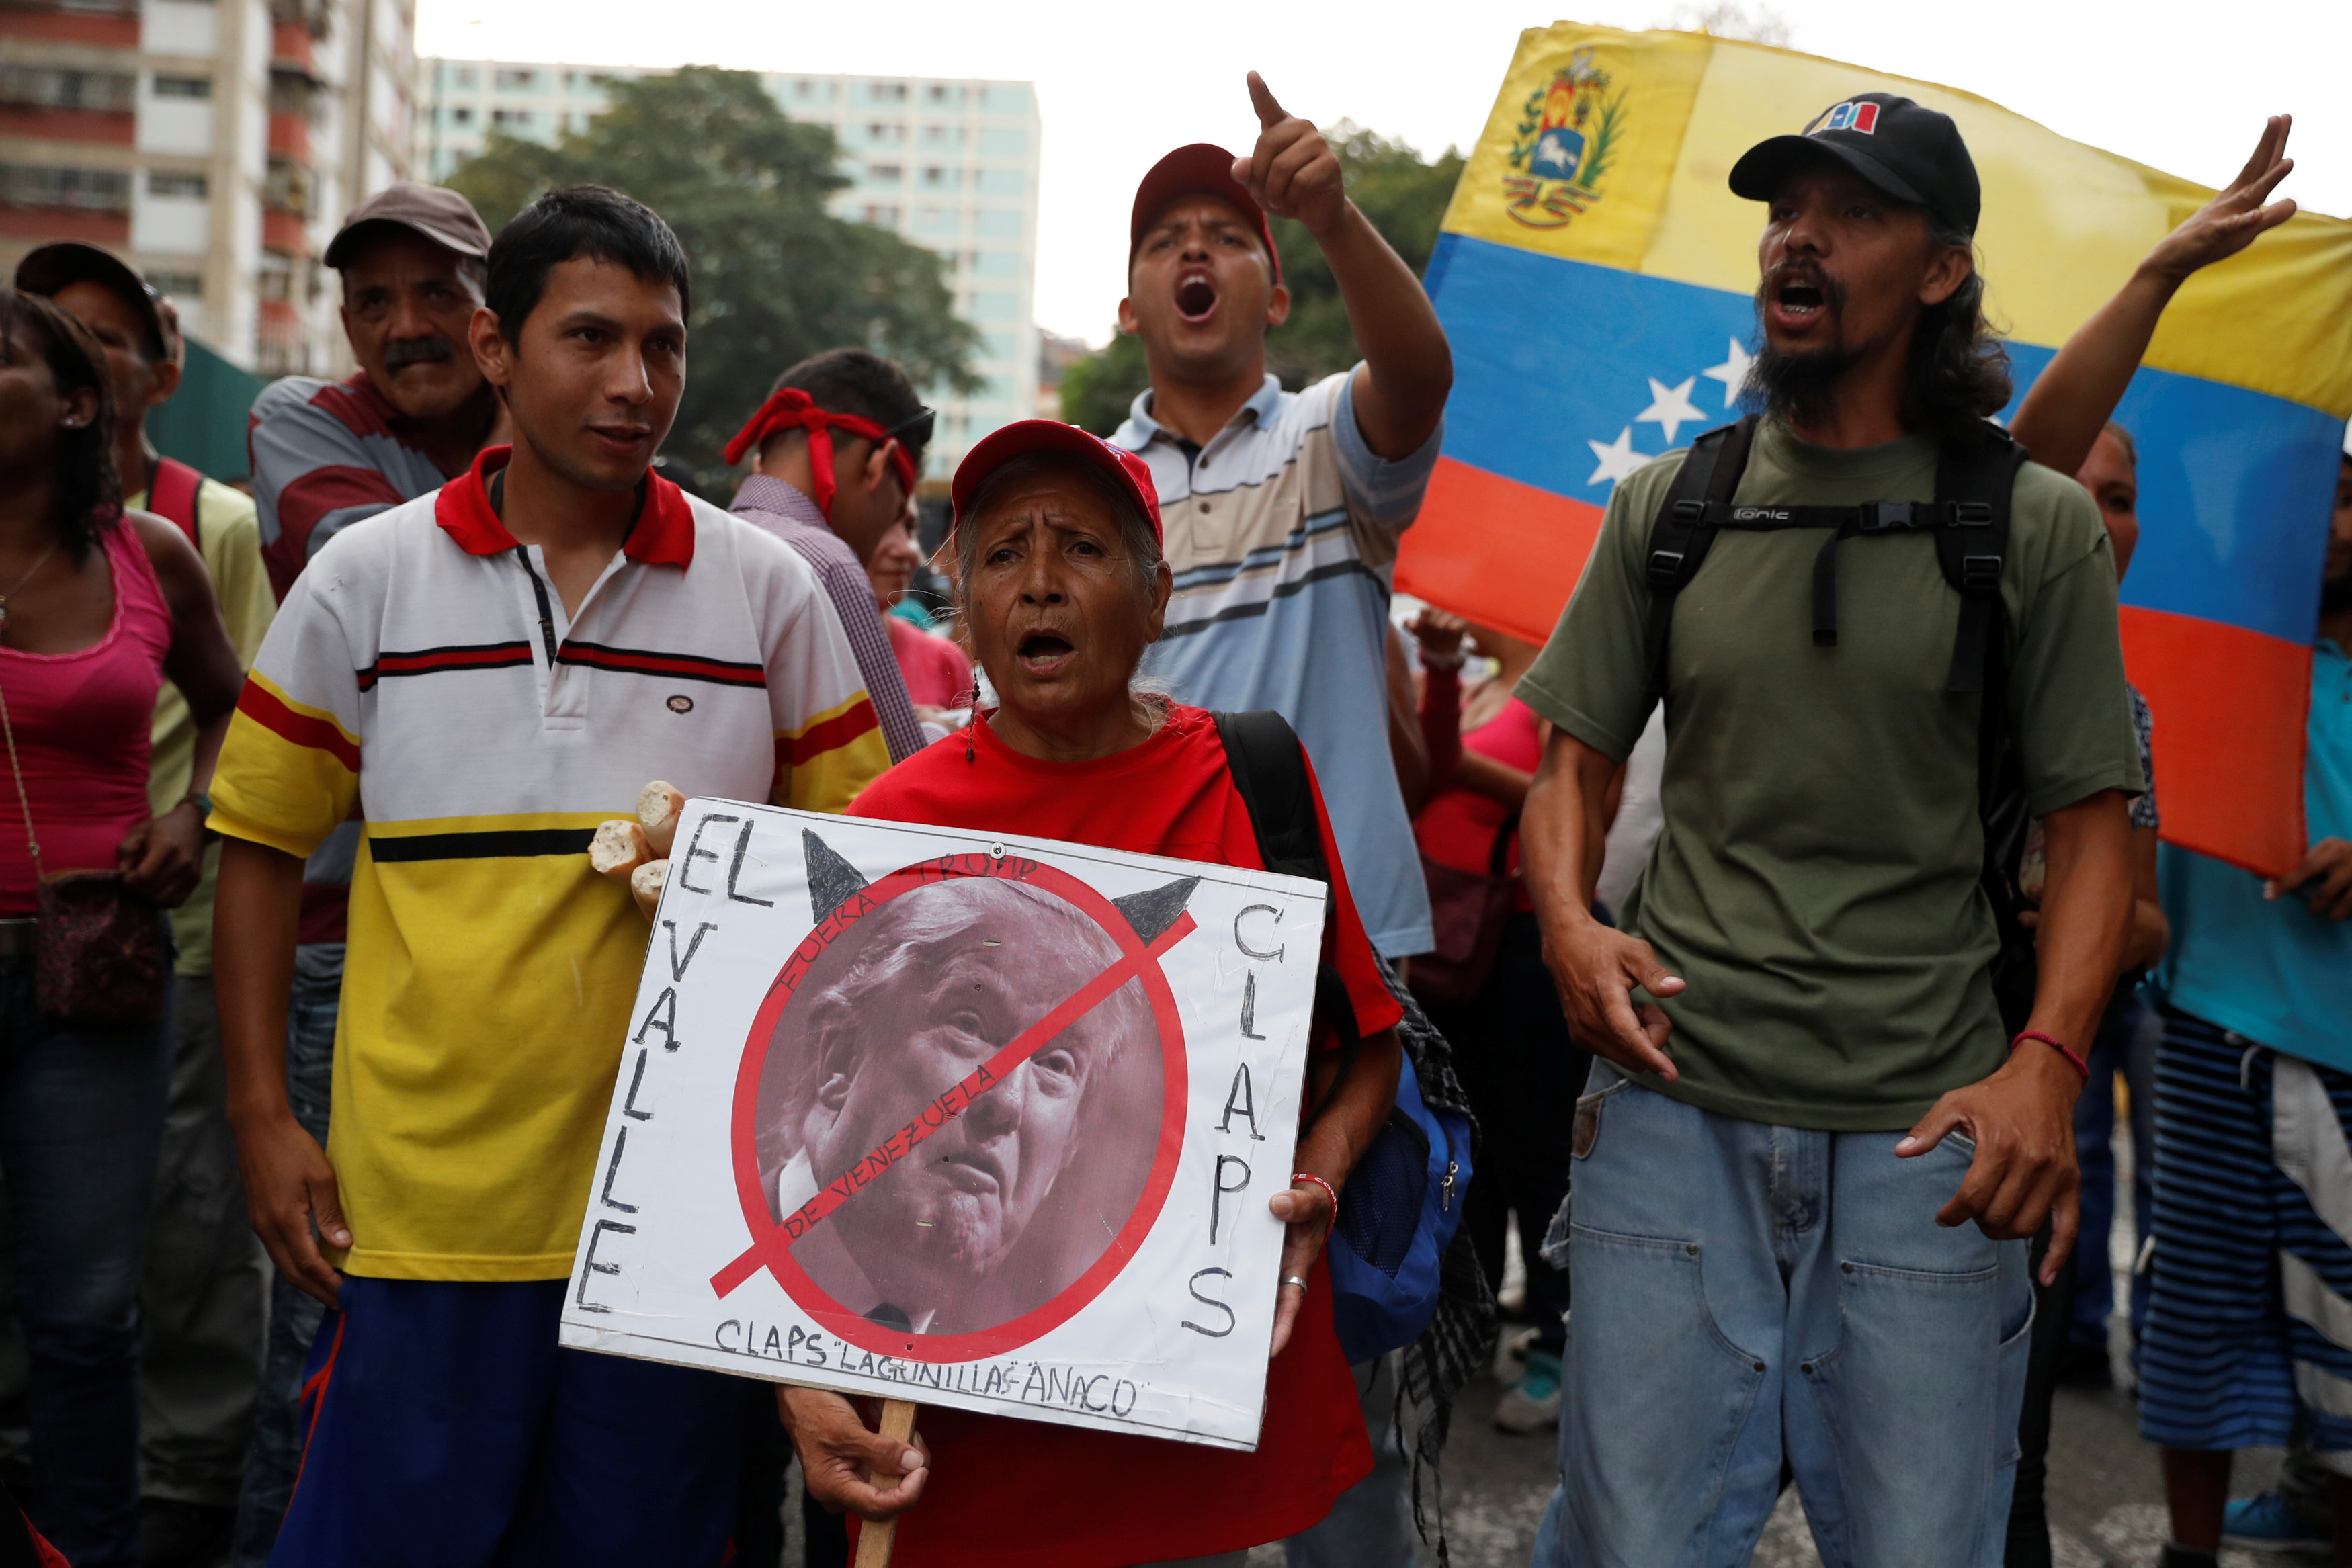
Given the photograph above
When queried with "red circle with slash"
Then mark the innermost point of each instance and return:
(772, 1248)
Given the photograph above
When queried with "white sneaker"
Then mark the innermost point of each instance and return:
(1532, 1404)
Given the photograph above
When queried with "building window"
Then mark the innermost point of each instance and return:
(466, 76)
(938, 179)
(883, 173)
(995, 307)
(943, 94)
(36, 185)
(183, 86)
(161, 183)
(39, 86)
(885, 92)
(1005, 143)
(881, 216)
(1001, 182)
(882, 135)
(996, 264)
(517, 118)
(935, 220)
(513, 78)
(292, 92)
(178, 284)
(812, 91)
(996, 222)
(1004, 100)
(942, 135)
(461, 115)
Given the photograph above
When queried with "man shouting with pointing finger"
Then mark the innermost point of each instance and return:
(1808, 1163)
(1283, 508)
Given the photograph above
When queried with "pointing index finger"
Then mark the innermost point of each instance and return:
(1269, 114)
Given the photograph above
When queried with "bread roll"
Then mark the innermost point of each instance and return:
(658, 805)
(619, 848)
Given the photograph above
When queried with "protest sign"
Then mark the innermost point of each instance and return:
(989, 1122)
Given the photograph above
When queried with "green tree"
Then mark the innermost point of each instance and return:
(1403, 194)
(776, 277)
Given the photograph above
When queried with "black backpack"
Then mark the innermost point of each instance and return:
(1969, 517)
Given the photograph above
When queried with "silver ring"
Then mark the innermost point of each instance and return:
(1295, 1279)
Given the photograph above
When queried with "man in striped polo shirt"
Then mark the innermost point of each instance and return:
(1283, 508)
(327, 455)
(495, 669)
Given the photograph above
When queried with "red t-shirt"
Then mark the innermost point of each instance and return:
(1007, 1493)
(936, 671)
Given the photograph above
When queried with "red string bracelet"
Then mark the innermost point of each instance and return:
(2064, 1050)
(1298, 1176)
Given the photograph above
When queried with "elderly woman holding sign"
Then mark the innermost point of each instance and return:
(1061, 588)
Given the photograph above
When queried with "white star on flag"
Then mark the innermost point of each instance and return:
(1671, 407)
(1618, 458)
(1732, 372)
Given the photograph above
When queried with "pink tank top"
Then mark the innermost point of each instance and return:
(81, 721)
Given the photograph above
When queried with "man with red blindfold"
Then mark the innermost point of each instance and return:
(837, 447)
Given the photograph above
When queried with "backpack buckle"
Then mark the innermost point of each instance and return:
(1666, 565)
(1689, 511)
(1972, 514)
(1885, 517)
(1980, 574)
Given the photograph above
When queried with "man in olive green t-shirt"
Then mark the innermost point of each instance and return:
(1788, 1136)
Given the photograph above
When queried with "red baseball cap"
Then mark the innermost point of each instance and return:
(1203, 169)
(1004, 443)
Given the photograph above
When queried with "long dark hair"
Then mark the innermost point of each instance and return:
(1959, 375)
(88, 493)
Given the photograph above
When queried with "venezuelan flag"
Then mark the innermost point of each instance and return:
(1595, 275)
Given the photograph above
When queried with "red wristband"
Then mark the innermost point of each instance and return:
(2064, 1050)
(1298, 1176)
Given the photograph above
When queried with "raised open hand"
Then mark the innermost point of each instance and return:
(1292, 172)
(2234, 219)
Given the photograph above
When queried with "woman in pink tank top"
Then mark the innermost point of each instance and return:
(97, 608)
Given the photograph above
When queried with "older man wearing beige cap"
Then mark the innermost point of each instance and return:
(326, 455)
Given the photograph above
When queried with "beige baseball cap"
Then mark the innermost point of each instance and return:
(436, 212)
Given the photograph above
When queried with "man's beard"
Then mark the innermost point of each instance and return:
(1799, 388)
(2336, 595)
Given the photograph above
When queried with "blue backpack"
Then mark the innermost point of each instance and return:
(1404, 1201)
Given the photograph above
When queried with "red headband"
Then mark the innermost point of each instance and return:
(790, 408)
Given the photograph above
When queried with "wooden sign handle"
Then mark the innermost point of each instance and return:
(874, 1539)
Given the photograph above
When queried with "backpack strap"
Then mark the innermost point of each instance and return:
(172, 495)
(1973, 483)
(1269, 768)
(1683, 528)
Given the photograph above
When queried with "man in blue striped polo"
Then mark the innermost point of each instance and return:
(1283, 508)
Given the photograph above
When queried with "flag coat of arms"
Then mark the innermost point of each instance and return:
(1595, 275)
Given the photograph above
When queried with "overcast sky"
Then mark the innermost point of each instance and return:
(2179, 86)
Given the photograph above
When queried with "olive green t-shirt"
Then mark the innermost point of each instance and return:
(1816, 879)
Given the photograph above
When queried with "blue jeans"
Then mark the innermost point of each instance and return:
(276, 1456)
(81, 1115)
(1748, 1295)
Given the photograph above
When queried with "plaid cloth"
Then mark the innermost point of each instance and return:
(792, 516)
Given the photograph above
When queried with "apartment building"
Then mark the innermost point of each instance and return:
(948, 163)
(213, 143)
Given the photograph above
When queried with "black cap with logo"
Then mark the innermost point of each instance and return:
(1910, 151)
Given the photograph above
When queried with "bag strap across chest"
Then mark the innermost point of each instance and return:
(1969, 516)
